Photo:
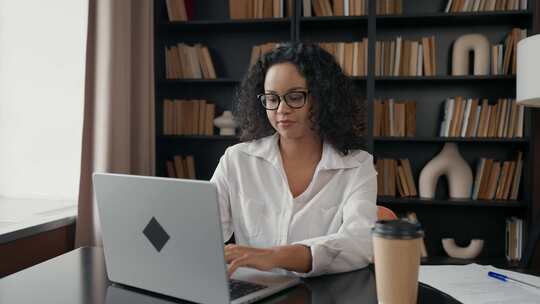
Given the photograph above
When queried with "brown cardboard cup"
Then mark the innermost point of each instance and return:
(396, 246)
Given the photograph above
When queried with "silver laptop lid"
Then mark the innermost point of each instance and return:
(148, 226)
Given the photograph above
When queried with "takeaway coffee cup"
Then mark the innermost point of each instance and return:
(396, 246)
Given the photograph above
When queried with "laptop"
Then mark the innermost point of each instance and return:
(164, 235)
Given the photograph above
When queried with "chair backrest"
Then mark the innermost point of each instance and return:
(385, 214)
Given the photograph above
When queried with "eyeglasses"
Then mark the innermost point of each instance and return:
(294, 99)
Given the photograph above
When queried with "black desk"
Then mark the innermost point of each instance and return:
(79, 277)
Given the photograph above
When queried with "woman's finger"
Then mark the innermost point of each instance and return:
(233, 252)
(239, 262)
(231, 256)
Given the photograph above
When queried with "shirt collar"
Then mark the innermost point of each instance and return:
(267, 148)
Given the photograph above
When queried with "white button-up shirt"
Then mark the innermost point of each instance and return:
(333, 216)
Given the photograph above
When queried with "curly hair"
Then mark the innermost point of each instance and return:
(337, 114)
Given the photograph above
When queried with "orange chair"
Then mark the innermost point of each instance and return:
(385, 214)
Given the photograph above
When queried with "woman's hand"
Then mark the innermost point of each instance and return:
(243, 256)
(291, 257)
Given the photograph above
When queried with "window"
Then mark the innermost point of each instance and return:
(42, 68)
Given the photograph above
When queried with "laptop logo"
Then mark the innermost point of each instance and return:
(155, 233)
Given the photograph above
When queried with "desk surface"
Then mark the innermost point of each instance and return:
(79, 277)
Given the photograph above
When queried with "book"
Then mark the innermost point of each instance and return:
(508, 183)
(433, 57)
(516, 179)
(484, 183)
(180, 166)
(209, 119)
(394, 118)
(472, 119)
(478, 178)
(399, 119)
(202, 117)
(391, 176)
(447, 119)
(512, 120)
(391, 117)
(188, 117)
(427, 56)
(307, 8)
(170, 169)
(411, 186)
(410, 117)
(395, 176)
(502, 181)
(397, 60)
(184, 61)
(492, 181)
(494, 118)
(211, 72)
(401, 182)
(177, 11)
(190, 165)
(377, 116)
(238, 9)
(339, 8)
(466, 117)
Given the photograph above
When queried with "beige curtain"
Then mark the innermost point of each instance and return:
(118, 130)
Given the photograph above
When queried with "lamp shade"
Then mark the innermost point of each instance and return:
(528, 72)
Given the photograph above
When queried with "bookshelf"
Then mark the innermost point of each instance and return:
(230, 43)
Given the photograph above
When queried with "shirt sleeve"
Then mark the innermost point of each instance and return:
(220, 179)
(351, 247)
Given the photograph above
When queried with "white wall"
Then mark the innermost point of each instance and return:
(42, 57)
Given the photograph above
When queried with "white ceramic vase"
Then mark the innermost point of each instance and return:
(225, 123)
(449, 163)
(476, 43)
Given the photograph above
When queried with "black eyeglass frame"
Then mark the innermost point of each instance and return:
(283, 98)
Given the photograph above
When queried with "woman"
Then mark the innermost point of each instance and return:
(298, 193)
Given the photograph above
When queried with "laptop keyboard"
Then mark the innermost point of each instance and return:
(238, 289)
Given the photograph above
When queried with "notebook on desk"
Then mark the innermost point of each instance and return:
(471, 284)
(164, 235)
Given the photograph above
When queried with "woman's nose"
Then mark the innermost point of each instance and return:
(283, 106)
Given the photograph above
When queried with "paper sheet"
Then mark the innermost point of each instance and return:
(471, 284)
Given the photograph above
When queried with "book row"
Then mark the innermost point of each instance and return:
(459, 6)
(257, 9)
(398, 57)
(468, 117)
(185, 61)
(325, 8)
(183, 10)
(514, 239)
(395, 175)
(188, 117)
(401, 57)
(181, 167)
(504, 55)
(394, 118)
(351, 56)
(497, 179)
(259, 50)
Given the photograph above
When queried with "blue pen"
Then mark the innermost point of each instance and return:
(504, 278)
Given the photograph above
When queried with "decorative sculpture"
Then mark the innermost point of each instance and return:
(477, 43)
(450, 163)
(225, 123)
(469, 252)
